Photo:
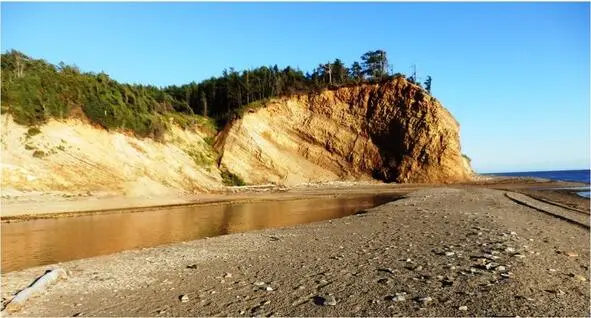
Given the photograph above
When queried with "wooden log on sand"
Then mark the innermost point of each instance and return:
(38, 286)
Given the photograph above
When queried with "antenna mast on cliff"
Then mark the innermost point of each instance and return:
(414, 73)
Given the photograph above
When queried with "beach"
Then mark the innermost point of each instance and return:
(463, 250)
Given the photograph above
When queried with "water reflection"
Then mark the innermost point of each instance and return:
(48, 241)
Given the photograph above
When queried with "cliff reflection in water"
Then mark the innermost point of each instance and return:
(40, 242)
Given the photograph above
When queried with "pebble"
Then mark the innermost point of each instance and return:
(259, 283)
(578, 277)
(463, 308)
(501, 268)
(450, 266)
(387, 270)
(228, 275)
(425, 299)
(397, 298)
(329, 301)
(269, 288)
(184, 298)
(571, 254)
(450, 253)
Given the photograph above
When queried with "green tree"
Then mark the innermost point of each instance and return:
(375, 64)
(339, 72)
(428, 84)
(356, 72)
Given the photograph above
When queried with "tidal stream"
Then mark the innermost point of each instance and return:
(48, 241)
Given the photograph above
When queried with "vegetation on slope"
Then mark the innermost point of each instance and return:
(34, 90)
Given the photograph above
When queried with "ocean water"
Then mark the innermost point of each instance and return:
(561, 175)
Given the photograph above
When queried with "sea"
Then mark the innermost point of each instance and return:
(583, 176)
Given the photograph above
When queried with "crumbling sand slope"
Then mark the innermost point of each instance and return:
(393, 131)
(75, 157)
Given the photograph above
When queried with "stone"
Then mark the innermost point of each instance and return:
(397, 298)
(501, 268)
(227, 275)
(578, 277)
(571, 254)
(269, 288)
(425, 299)
(463, 308)
(259, 283)
(450, 253)
(329, 301)
(184, 298)
(387, 270)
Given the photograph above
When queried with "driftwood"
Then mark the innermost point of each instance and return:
(38, 286)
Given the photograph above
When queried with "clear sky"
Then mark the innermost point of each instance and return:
(515, 75)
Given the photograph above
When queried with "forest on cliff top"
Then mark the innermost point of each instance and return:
(34, 90)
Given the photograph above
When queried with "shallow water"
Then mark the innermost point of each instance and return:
(48, 241)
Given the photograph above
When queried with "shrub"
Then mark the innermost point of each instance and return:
(39, 154)
(231, 179)
(33, 131)
(209, 140)
(467, 158)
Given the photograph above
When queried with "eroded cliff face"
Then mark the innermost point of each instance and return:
(391, 131)
(74, 157)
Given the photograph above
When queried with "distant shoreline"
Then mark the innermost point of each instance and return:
(52, 206)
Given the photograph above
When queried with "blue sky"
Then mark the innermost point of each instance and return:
(515, 75)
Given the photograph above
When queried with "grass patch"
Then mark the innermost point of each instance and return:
(209, 140)
(33, 131)
(39, 154)
(239, 112)
(231, 179)
(187, 121)
(467, 158)
(201, 157)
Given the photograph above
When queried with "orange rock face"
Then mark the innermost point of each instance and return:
(393, 131)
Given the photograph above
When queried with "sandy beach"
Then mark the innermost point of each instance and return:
(459, 250)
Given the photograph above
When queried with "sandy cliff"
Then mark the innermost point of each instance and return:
(74, 157)
(392, 131)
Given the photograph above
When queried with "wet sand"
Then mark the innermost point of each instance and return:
(429, 254)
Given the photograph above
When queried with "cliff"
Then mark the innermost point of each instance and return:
(393, 131)
(73, 157)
